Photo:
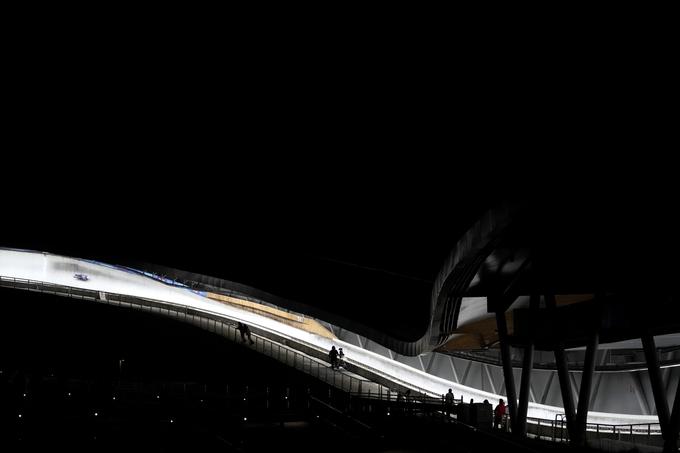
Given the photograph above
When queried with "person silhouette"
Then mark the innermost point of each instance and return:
(333, 355)
(498, 414)
(341, 358)
(245, 332)
(448, 404)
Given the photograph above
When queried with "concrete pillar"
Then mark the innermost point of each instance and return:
(507, 367)
(565, 389)
(586, 385)
(525, 385)
(671, 443)
(527, 368)
(657, 385)
(563, 376)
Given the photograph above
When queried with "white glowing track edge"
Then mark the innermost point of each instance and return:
(60, 270)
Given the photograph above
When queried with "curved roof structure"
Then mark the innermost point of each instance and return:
(413, 278)
(506, 255)
(101, 282)
(555, 274)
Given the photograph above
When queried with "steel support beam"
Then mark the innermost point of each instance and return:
(546, 389)
(507, 367)
(670, 424)
(565, 389)
(586, 385)
(671, 443)
(563, 376)
(657, 386)
(524, 388)
(527, 368)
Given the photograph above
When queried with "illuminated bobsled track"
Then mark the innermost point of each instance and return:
(303, 342)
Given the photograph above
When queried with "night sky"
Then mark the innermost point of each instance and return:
(367, 253)
(337, 172)
(340, 175)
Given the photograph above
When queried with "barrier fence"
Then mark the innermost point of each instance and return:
(357, 380)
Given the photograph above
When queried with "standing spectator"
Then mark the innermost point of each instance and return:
(333, 355)
(341, 358)
(400, 402)
(448, 404)
(498, 414)
(407, 401)
(245, 332)
(488, 413)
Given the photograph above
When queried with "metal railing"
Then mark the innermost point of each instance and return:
(288, 351)
(556, 431)
(284, 349)
(281, 348)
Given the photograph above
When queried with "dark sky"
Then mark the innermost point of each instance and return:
(317, 170)
(362, 246)
(355, 246)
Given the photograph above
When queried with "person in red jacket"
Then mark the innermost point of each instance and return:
(498, 414)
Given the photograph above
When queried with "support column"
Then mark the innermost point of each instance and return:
(670, 425)
(671, 443)
(565, 389)
(657, 385)
(563, 376)
(586, 385)
(525, 385)
(507, 368)
(527, 368)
